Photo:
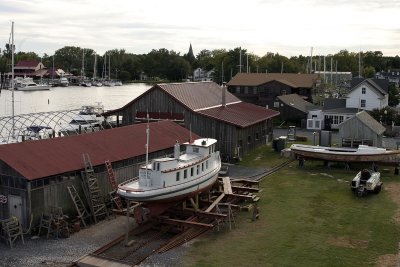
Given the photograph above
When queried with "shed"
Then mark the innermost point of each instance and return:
(293, 107)
(34, 175)
(361, 129)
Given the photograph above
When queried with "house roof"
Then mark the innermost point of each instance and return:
(382, 86)
(27, 63)
(367, 120)
(240, 114)
(292, 79)
(297, 102)
(42, 158)
(334, 103)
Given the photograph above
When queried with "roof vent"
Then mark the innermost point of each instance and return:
(203, 143)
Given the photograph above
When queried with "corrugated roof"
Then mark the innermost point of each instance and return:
(37, 159)
(297, 102)
(292, 79)
(240, 114)
(198, 95)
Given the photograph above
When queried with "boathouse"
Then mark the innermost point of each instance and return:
(264, 88)
(206, 109)
(34, 175)
(361, 129)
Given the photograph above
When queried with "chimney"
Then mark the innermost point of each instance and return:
(177, 150)
(223, 95)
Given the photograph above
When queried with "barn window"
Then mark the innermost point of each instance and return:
(276, 104)
(363, 103)
(363, 90)
(240, 143)
(283, 92)
(257, 136)
(254, 90)
(249, 139)
(237, 89)
(246, 90)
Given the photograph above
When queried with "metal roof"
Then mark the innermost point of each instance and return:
(297, 102)
(38, 159)
(295, 80)
(367, 120)
(240, 114)
(198, 95)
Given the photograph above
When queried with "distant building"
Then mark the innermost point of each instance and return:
(264, 88)
(391, 76)
(29, 68)
(200, 75)
(339, 78)
(294, 108)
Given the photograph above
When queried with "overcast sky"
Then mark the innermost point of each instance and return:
(287, 27)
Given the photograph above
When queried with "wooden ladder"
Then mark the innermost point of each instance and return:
(79, 206)
(113, 181)
(92, 190)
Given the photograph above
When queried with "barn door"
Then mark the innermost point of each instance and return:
(15, 206)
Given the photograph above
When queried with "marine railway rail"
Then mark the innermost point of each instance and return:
(181, 222)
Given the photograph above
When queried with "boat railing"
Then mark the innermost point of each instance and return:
(129, 181)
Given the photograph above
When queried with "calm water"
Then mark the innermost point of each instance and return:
(66, 98)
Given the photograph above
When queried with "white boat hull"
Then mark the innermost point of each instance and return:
(34, 88)
(171, 193)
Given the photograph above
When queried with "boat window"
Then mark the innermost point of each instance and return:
(177, 176)
(195, 149)
(198, 169)
(184, 174)
(202, 167)
(209, 150)
(191, 171)
(207, 164)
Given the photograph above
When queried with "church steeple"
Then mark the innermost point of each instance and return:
(190, 53)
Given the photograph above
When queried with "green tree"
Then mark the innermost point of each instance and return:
(393, 95)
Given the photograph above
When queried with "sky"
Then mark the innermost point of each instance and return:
(287, 27)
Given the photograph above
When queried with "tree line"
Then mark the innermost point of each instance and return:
(168, 65)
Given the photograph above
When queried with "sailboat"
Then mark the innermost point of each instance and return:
(95, 82)
(84, 82)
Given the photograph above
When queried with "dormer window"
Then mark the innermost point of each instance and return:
(363, 90)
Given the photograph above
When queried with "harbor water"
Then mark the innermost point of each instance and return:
(67, 98)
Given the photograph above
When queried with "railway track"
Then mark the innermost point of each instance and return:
(176, 226)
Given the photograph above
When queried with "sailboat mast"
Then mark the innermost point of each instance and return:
(83, 63)
(12, 79)
(109, 67)
(94, 67)
(147, 149)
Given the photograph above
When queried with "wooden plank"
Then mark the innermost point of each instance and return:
(227, 185)
(191, 223)
(91, 260)
(212, 206)
(245, 188)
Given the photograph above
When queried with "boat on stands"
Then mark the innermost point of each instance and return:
(363, 153)
(89, 119)
(174, 178)
(27, 84)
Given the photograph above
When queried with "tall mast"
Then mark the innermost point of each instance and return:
(109, 67)
(83, 64)
(94, 67)
(147, 150)
(311, 60)
(12, 79)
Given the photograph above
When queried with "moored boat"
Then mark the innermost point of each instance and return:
(27, 84)
(171, 179)
(89, 119)
(343, 154)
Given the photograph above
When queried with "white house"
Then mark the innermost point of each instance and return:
(200, 75)
(367, 95)
(364, 95)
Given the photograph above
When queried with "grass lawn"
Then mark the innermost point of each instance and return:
(308, 217)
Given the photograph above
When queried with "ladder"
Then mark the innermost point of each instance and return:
(92, 190)
(79, 206)
(113, 181)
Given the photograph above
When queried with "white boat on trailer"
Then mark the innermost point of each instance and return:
(172, 179)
